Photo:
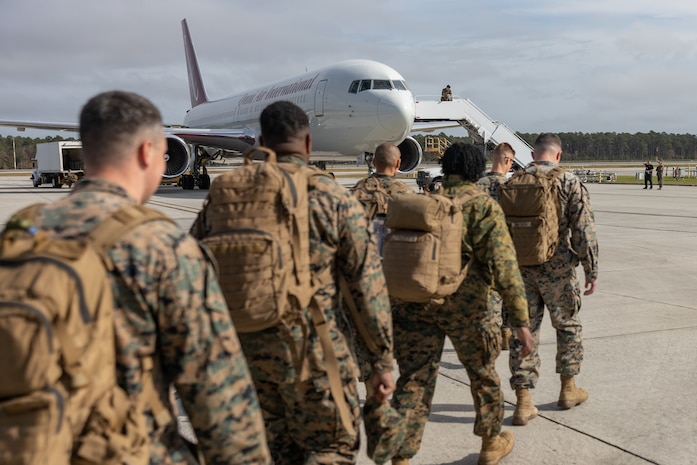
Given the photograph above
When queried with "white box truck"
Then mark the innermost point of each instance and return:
(58, 163)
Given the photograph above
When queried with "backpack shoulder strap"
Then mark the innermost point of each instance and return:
(110, 230)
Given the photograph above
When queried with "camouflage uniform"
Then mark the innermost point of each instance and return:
(392, 186)
(490, 183)
(465, 317)
(168, 305)
(302, 421)
(555, 284)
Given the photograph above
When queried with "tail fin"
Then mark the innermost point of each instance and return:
(196, 90)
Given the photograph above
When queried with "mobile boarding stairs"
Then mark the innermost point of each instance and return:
(432, 114)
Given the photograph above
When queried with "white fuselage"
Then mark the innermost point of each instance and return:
(353, 106)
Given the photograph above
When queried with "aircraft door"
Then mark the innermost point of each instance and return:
(319, 97)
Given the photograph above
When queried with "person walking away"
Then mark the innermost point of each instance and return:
(554, 284)
(375, 191)
(465, 317)
(168, 306)
(501, 163)
(288, 362)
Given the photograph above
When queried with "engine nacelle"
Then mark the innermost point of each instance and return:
(411, 155)
(177, 157)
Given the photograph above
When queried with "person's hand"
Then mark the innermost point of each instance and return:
(590, 287)
(383, 385)
(525, 338)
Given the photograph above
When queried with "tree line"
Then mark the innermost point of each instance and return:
(613, 146)
(578, 146)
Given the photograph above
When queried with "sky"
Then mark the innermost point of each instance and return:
(538, 66)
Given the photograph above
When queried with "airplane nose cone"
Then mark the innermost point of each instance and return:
(396, 114)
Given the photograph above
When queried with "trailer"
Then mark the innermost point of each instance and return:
(57, 163)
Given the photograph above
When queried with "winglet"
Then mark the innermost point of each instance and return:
(196, 90)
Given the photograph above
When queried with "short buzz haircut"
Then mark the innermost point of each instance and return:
(281, 122)
(547, 141)
(503, 150)
(466, 160)
(386, 156)
(109, 123)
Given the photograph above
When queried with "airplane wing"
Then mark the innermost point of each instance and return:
(229, 139)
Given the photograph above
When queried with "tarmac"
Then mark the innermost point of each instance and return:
(640, 339)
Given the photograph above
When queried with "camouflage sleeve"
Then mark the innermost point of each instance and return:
(359, 263)
(582, 224)
(201, 352)
(493, 245)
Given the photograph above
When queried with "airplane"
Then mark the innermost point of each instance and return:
(353, 106)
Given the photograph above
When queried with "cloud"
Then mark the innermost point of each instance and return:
(537, 66)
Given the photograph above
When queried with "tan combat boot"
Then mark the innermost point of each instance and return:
(506, 335)
(524, 409)
(496, 448)
(400, 461)
(570, 395)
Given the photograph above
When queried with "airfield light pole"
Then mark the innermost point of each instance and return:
(14, 152)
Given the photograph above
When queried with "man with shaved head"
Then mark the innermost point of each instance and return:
(376, 190)
(374, 193)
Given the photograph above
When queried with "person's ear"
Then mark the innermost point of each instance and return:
(308, 143)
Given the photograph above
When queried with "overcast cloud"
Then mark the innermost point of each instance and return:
(543, 65)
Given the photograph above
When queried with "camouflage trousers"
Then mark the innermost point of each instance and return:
(301, 418)
(559, 291)
(419, 337)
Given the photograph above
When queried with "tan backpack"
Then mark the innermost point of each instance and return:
(257, 226)
(60, 400)
(372, 196)
(422, 253)
(531, 204)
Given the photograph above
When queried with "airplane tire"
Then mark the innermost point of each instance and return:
(205, 182)
(188, 182)
(36, 182)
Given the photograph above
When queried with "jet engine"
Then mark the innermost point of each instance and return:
(411, 155)
(177, 157)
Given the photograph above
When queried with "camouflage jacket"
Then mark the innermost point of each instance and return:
(578, 242)
(486, 238)
(490, 183)
(340, 242)
(168, 305)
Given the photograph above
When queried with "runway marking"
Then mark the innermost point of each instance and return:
(563, 425)
(174, 206)
(665, 215)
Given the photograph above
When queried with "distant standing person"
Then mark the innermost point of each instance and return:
(659, 174)
(446, 94)
(648, 174)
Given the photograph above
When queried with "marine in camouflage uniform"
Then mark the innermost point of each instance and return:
(466, 318)
(554, 284)
(168, 304)
(502, 160)
(302, 420)
(374, 193)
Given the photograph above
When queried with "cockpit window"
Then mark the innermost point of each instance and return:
(400, 85)
(379, 84)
